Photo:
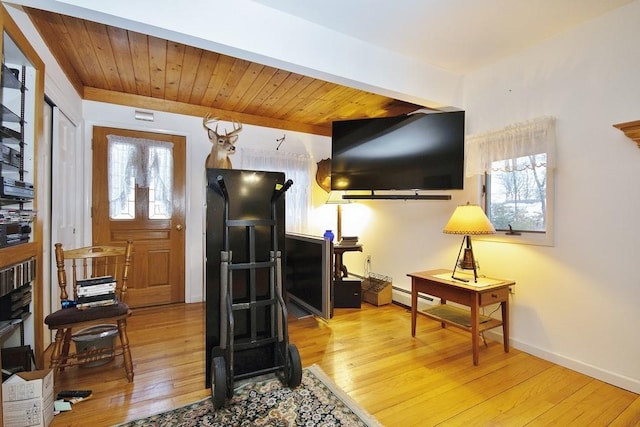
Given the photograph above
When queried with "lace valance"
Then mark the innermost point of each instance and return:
(517, 140)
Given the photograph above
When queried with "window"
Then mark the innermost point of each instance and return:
(296, 167)
(517, 166)
(143, 164)
(516, 198)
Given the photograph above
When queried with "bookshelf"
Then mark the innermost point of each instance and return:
(21, 129)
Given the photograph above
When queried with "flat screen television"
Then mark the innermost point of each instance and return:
(408, 152)
(308, 273)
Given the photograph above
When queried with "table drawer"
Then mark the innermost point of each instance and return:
(494, 296)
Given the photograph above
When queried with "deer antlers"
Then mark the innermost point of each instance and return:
(207, 121)
(222, 145)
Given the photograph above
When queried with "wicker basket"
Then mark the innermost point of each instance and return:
(376, 289)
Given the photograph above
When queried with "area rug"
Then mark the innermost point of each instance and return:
(318, 401)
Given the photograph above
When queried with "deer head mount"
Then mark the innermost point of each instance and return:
(222, 146)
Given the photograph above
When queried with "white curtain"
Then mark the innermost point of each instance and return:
(298, 168)
(518, 140)
(145, 162)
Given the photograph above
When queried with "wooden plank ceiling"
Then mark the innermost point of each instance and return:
(118, 66)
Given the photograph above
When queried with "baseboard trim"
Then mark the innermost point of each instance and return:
(609, 377)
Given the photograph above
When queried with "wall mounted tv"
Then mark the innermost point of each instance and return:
(409, 152)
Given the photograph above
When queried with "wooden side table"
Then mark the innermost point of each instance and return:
(439, 283)
(340, 268)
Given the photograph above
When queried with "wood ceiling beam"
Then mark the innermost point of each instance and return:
(138, 101)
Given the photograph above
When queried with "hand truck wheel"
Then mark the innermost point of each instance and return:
(218, 382)
(294, 375)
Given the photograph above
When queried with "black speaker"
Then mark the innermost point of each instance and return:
(347, 293)
(16, 359)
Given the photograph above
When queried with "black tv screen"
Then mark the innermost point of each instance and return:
(408, 152)
(308, 279)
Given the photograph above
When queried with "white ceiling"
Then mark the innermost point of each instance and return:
(455, 35)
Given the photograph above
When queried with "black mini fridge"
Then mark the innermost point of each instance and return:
(246, 317)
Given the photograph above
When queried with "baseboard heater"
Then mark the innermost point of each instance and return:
(422, 297)
(408, 292)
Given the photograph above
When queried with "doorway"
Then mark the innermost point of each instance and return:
(139, 194)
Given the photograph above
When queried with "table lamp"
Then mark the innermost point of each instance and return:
(468, 220)
(335, 197)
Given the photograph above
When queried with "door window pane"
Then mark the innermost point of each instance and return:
(160, 165)
(139, 169)
(122, 191)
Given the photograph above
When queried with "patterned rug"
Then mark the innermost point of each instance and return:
(318, 401)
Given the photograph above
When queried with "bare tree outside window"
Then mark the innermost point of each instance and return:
(517, 193)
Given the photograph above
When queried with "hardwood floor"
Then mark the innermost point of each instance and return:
(424, 381)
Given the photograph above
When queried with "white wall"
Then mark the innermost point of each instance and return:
(577, 302)
(198, 147)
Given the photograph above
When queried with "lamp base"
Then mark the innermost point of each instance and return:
(467, 262)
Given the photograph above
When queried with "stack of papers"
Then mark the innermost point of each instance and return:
(482, 281)
(349, 241)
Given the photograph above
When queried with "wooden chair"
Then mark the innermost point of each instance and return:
(82, 263)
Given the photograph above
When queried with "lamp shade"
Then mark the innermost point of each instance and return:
(469, 220)
(335, 197)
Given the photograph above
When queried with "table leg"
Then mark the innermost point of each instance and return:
(414, 306)
(442, 324)
(475, 326)
(505, 325)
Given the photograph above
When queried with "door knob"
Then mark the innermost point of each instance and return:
(179, 227)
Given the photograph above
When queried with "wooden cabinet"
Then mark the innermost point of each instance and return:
(21, 102)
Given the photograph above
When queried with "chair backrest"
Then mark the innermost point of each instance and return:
(93, 261)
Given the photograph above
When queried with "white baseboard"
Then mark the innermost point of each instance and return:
(612, 378)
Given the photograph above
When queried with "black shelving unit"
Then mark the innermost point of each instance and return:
(16, 195)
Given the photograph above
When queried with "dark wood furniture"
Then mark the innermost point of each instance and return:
(488, 291)
(340, 270)
(83, 263)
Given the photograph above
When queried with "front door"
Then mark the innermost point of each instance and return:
(139, 194)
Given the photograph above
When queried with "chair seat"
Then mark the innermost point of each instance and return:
(67, 316)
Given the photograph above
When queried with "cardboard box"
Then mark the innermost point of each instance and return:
(382, 297)
(27, 399)
(376, 289)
